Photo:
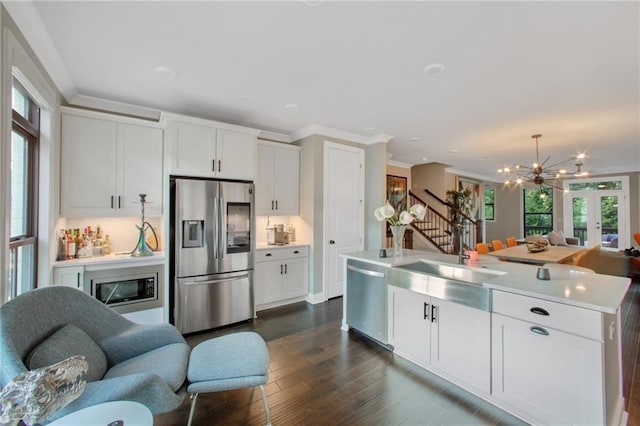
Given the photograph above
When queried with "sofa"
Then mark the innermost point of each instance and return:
(127, 361)
(607, 262)
(557, 238)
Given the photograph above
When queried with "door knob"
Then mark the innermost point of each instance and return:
(331, 242)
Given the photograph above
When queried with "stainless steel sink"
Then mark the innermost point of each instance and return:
(445, 281)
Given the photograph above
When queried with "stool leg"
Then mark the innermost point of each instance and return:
(194, 397)
(266, 406)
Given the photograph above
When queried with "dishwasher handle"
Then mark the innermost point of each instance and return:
(365, 271)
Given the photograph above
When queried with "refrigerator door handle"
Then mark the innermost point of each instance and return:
(215, 230)
(222, 233)
(222, 280)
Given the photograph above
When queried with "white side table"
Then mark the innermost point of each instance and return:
(125, 413)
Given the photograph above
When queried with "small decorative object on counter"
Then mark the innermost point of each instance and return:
(543, 274)
(398, 222)
(383, 253)
(142, 248)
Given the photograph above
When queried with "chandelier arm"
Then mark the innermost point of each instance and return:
(545, 161)
(560, 162)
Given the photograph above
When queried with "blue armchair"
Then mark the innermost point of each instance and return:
(127, 361)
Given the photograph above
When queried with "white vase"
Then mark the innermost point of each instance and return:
(398, 237)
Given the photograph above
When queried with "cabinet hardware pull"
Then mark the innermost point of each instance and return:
(539, 330)
(119, 204)
(271, 204)
(268, 254)
(219, 165)
(285, 268)
(276, 204)
(434, 312)
(296, 252)
(112, 201)
(425, 311)
(280, 269)
(78, 279)
(213, 165)
(539, 311)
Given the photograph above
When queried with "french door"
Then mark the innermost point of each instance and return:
(596, 211)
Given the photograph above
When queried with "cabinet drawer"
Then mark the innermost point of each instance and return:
(579, 321)
(267, 255)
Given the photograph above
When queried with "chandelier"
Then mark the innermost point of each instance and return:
(542, 174)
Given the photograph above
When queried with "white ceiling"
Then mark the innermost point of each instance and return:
(567, 70)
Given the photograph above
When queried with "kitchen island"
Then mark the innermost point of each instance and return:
(545, 351)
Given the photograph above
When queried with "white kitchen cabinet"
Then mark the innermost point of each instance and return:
(549, 365)
(205, 150)
(106, 162)
(447, 337)
(277, 179)
(280, 276)
(70, 276)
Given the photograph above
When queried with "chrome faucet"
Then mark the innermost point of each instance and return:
(461, 255)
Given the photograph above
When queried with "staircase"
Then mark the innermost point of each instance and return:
(438, 230)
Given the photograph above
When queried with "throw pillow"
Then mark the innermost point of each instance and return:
(64, 343)
(557, 238)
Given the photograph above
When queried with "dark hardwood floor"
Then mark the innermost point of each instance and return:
(321, 375)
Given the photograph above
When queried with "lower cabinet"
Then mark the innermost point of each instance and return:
(554, 363)
(70, 276)
(449, 338)
(280, 276)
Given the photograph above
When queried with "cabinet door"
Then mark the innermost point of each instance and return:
(286, 181)
(546, 375)
(192, 149)
(268, 282)
(70, 276)
(461, 343)
(235, 155)
(88, 167)
(409, 326)
(265, 198)
(296, 280)
(140, 157)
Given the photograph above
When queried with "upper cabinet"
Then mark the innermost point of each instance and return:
(106, 162)
(210, 149)
(277, 181)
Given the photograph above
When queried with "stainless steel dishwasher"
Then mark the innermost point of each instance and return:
(367, 299)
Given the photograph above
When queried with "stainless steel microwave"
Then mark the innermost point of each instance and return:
(127, 289)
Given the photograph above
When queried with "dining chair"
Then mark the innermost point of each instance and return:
(497, 245)
(636, 237)
(511, 242)
(482, 248)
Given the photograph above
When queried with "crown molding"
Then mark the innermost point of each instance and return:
(115, 107)
(28, 21)
(473, 175)
(399, 164)
(314, 129)
(274, 136)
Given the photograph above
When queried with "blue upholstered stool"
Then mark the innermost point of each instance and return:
(234, 361)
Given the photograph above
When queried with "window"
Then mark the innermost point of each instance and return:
(538, 210)
(489, 203)
(23, 214)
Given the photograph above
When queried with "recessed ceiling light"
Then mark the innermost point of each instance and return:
(166, 72)
(414, 138)
(434, 68)
(454, 150)
(291, 106)
(424, 158)
(369, 129)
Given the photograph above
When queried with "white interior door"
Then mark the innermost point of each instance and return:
(343, 211)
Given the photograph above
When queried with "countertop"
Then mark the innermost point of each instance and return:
(265, 246)
(114, 260)
(603, 293)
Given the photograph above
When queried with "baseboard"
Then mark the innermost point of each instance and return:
(315, 298)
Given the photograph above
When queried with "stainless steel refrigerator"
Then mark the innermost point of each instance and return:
(213, 230)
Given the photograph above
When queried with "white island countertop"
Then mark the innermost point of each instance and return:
(603, 293)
